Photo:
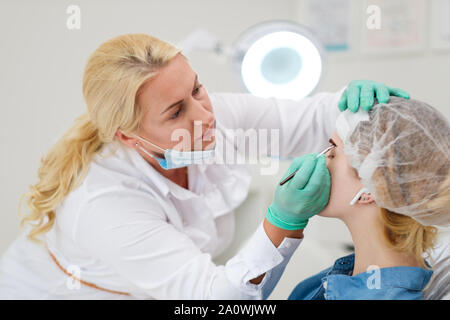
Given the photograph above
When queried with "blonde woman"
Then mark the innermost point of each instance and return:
(390, 174)
(123, 210)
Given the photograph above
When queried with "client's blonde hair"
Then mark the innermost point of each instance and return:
(406, 235)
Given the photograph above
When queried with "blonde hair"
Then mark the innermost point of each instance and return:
(406, 235)
(113, 76)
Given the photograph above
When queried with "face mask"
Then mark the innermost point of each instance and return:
(178, 159)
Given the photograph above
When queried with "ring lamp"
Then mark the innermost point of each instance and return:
(278, 59)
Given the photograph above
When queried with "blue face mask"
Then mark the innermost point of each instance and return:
(178, 159)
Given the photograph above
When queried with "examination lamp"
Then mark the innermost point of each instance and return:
(278, 59)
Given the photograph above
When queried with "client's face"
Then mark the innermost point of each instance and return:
(345, 182)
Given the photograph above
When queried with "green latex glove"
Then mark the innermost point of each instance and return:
(361, 93)
(305, 195)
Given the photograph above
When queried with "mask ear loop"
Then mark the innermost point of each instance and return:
(358, 195)
(146, 152)
(144, 140)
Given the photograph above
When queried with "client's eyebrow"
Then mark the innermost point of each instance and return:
(332, 142)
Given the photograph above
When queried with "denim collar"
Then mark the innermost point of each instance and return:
(340, 277)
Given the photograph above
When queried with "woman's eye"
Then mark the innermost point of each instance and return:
(197, 90)
(176, 114)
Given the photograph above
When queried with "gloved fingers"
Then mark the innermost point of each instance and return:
(367, 96)
(353, 97)
(297, 163)
(320, 178)
(399, 93)
(342, 105)
(382, 92)
(301, 178)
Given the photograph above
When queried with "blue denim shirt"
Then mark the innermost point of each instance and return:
(337, 283)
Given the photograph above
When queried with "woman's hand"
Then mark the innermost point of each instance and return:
(361, 93)
(305, 195)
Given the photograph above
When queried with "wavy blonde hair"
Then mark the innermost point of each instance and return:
(406, 235)
(113, 76)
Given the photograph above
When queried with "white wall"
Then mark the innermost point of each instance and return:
(42, 65)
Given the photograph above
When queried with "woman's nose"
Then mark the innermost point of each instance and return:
(203, 113)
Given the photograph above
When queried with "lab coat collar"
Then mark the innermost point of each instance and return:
(146, 172)
(141, 168)
(214, 182)
(166, 186)
(223, 186)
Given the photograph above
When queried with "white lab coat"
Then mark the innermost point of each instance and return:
(129, 229)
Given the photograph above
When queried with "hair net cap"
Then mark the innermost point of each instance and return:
(348, 120)
(401, 151)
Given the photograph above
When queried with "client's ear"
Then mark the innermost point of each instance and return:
(365, 198)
